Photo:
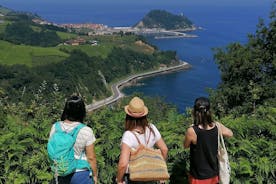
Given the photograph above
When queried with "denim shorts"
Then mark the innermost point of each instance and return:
(82, 177)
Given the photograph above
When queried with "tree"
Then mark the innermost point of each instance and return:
(21, 33)
(248, 71)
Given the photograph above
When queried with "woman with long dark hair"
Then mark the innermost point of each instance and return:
(72, 117)
(202, 139)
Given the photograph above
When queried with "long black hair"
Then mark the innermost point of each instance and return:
(74, 109)
(201, 113)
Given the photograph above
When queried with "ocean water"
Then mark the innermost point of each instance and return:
(223, 22)
(221, 26)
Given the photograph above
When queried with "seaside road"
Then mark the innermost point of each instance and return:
(115, 88)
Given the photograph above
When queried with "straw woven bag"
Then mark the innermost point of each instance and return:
(147, 164)
(224, 166)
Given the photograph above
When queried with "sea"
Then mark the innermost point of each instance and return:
(222, 22)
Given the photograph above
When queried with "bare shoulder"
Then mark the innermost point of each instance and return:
(190, 130)
(190, 133)
(190, 137)
(227, 132)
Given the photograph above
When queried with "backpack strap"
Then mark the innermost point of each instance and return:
(58, 127)
(76, 130)
(148, 138)
(146, 141)
(73, 133)
(136, 137)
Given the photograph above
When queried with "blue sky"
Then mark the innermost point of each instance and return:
(181, 2)
(118, 4)
(114, 8)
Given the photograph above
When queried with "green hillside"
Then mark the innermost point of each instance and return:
(29, 55)
(49, 54)
(4, 10)
(3, 26)
(32, 55)
(23, 41)
(106, 43)
(66, 36)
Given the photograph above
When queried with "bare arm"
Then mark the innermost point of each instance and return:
(190, 137)
(163, 147)
(226, 132)
(123, 162)
(91, 158)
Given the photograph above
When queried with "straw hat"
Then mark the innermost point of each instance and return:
(136, 108)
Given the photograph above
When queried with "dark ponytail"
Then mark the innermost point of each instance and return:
(201, 112)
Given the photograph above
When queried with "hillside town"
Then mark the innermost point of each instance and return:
(91, 29)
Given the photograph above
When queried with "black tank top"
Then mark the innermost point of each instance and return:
(203, 155)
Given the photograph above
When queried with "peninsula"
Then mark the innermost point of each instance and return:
(161, 19)
(163, 24)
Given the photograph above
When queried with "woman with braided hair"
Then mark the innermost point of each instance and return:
(202, 139)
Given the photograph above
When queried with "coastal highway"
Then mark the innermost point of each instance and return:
(115, 88)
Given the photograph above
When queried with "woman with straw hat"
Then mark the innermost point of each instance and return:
(137, 126)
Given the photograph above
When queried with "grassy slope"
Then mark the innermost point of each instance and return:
(29, 55)
(107, 42)
(65, 36)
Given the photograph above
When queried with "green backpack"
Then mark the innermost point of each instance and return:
(60, 149)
